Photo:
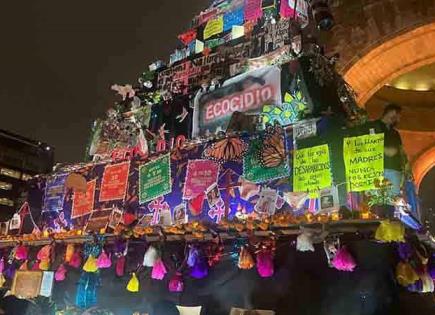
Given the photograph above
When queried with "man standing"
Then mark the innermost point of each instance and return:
(394, 156)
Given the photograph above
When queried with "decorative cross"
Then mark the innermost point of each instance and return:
(156, 206)
(218, 211)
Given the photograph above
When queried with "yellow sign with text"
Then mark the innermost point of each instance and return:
(364, 161)
(312, 170)
(214, 27)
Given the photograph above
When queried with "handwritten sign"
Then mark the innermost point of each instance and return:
(312, 170)
(364, 161)
(83, 203)
(253, 170)
(304, 129)
(155, 179)
(115, 181)
(55, 193)
(214, 27)
(201, 174)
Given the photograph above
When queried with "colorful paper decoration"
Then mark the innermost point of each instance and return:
(54, 193)
(254, 171)
(83, 202)
(364, 161)
(312, 170)
(201, 174)
(157, 207)
(214, 27)
(155, 179)
(233, 18)
(253, 10)
(114, 182)
(217, 212)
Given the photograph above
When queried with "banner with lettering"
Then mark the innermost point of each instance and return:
(364, 161)
(312, 170)
(214, 27)
(83, 202)
(201, 174)
(114, 182)
(247, 92)
(255, 172)
(155, 179)
(55, 193)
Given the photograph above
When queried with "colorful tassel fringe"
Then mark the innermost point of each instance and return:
(343, 260)
(133, 284)
(246, 261)
(176, 283)
(151, 256)
(159, 270)
(390, 231)
(104, 261)
(405, 274)
(90, 264)
(60, 273)
(304, 243)
(265, 266)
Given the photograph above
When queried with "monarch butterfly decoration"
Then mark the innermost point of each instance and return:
(272, 152)
(228, 149)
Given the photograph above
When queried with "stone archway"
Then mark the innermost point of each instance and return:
(391, 59)
(424, 163)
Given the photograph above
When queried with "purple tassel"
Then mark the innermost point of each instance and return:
(198, 265)
(2, 265)
(405, 251)
(176, 283)
(10, 271)
(193, 256)
(431, 267)
(265, 264)
(159, 270)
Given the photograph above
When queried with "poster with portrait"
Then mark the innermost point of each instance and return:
(180, 214)
(213, 195)
(266, 203)
(247, 92)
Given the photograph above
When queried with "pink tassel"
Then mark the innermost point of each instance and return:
(343, 260)
(44, 253)
(265, 263)
(76, 260)
(60, 273)
(21, 253)
(104, 261)
(2, 265)
(35, 266)
(176, 283)
(159, 270)
(120, 266)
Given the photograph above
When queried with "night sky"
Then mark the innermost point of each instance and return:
(59, 59)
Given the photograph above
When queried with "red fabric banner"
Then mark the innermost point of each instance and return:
(115, 181)
(83, 202)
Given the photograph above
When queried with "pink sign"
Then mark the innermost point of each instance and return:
(286, 11)
(253, 10)
(201, 174)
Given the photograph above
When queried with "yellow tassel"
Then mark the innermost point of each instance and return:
(245, 259)
(90, 264)
(44, 264)
(69, 252)
(133, 284)
(389, 231)
(2, 280)
(405, 274)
